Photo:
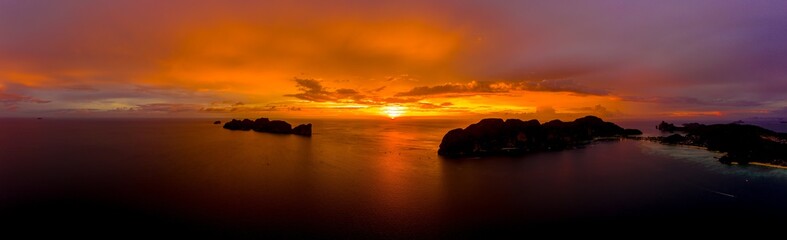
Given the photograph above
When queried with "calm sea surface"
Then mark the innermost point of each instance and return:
(353, 178)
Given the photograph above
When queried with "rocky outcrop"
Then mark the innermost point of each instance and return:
(235, 124)
(261, 125)
(673, 139)
(513, 136)
(666, 127)
(740, 143)
(280, 127)
(303, 130)
(632, 132)
(217, 122)
(268, 126)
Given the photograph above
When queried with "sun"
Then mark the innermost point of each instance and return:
(394, 111)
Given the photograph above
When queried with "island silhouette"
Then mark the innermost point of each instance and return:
(493, 136)
(269, 126)
(741, 143)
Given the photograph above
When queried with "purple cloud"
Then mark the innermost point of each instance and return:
(11, 101)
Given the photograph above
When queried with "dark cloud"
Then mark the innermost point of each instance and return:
(161, 108)
(379, 89)
(546, 113)
(597, 110)
(313, 90)
(779, 112)
(240, 109)
(81, 87)
(167, 107)
(175, 108)
(309, 85)
(400, 99)
(229, 106)
(692, 101)
(11, 101)
(559, 85)
(228, 103)
(76, 111)
(473, 87)
(345, 91)
(425, 105)
(490, 87)
(545, 110)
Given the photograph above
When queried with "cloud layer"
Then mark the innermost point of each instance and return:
(634, 58)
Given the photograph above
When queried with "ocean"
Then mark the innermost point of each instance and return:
(353, 178)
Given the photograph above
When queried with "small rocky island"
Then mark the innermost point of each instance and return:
(494, 136)
(268, 126)
(741, 143)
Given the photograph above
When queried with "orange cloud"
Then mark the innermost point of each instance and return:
(140, 57)
(246, 57)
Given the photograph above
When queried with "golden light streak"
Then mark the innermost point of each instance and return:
(394, 111)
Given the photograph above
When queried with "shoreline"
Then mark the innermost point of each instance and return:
(761, 164)
(768, 165)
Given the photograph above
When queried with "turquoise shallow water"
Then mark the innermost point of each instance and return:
(353, 179)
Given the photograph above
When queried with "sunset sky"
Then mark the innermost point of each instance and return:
(545, 59)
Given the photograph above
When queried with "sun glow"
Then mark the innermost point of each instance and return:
(394, 111)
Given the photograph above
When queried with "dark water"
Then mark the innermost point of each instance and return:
(351, 179)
